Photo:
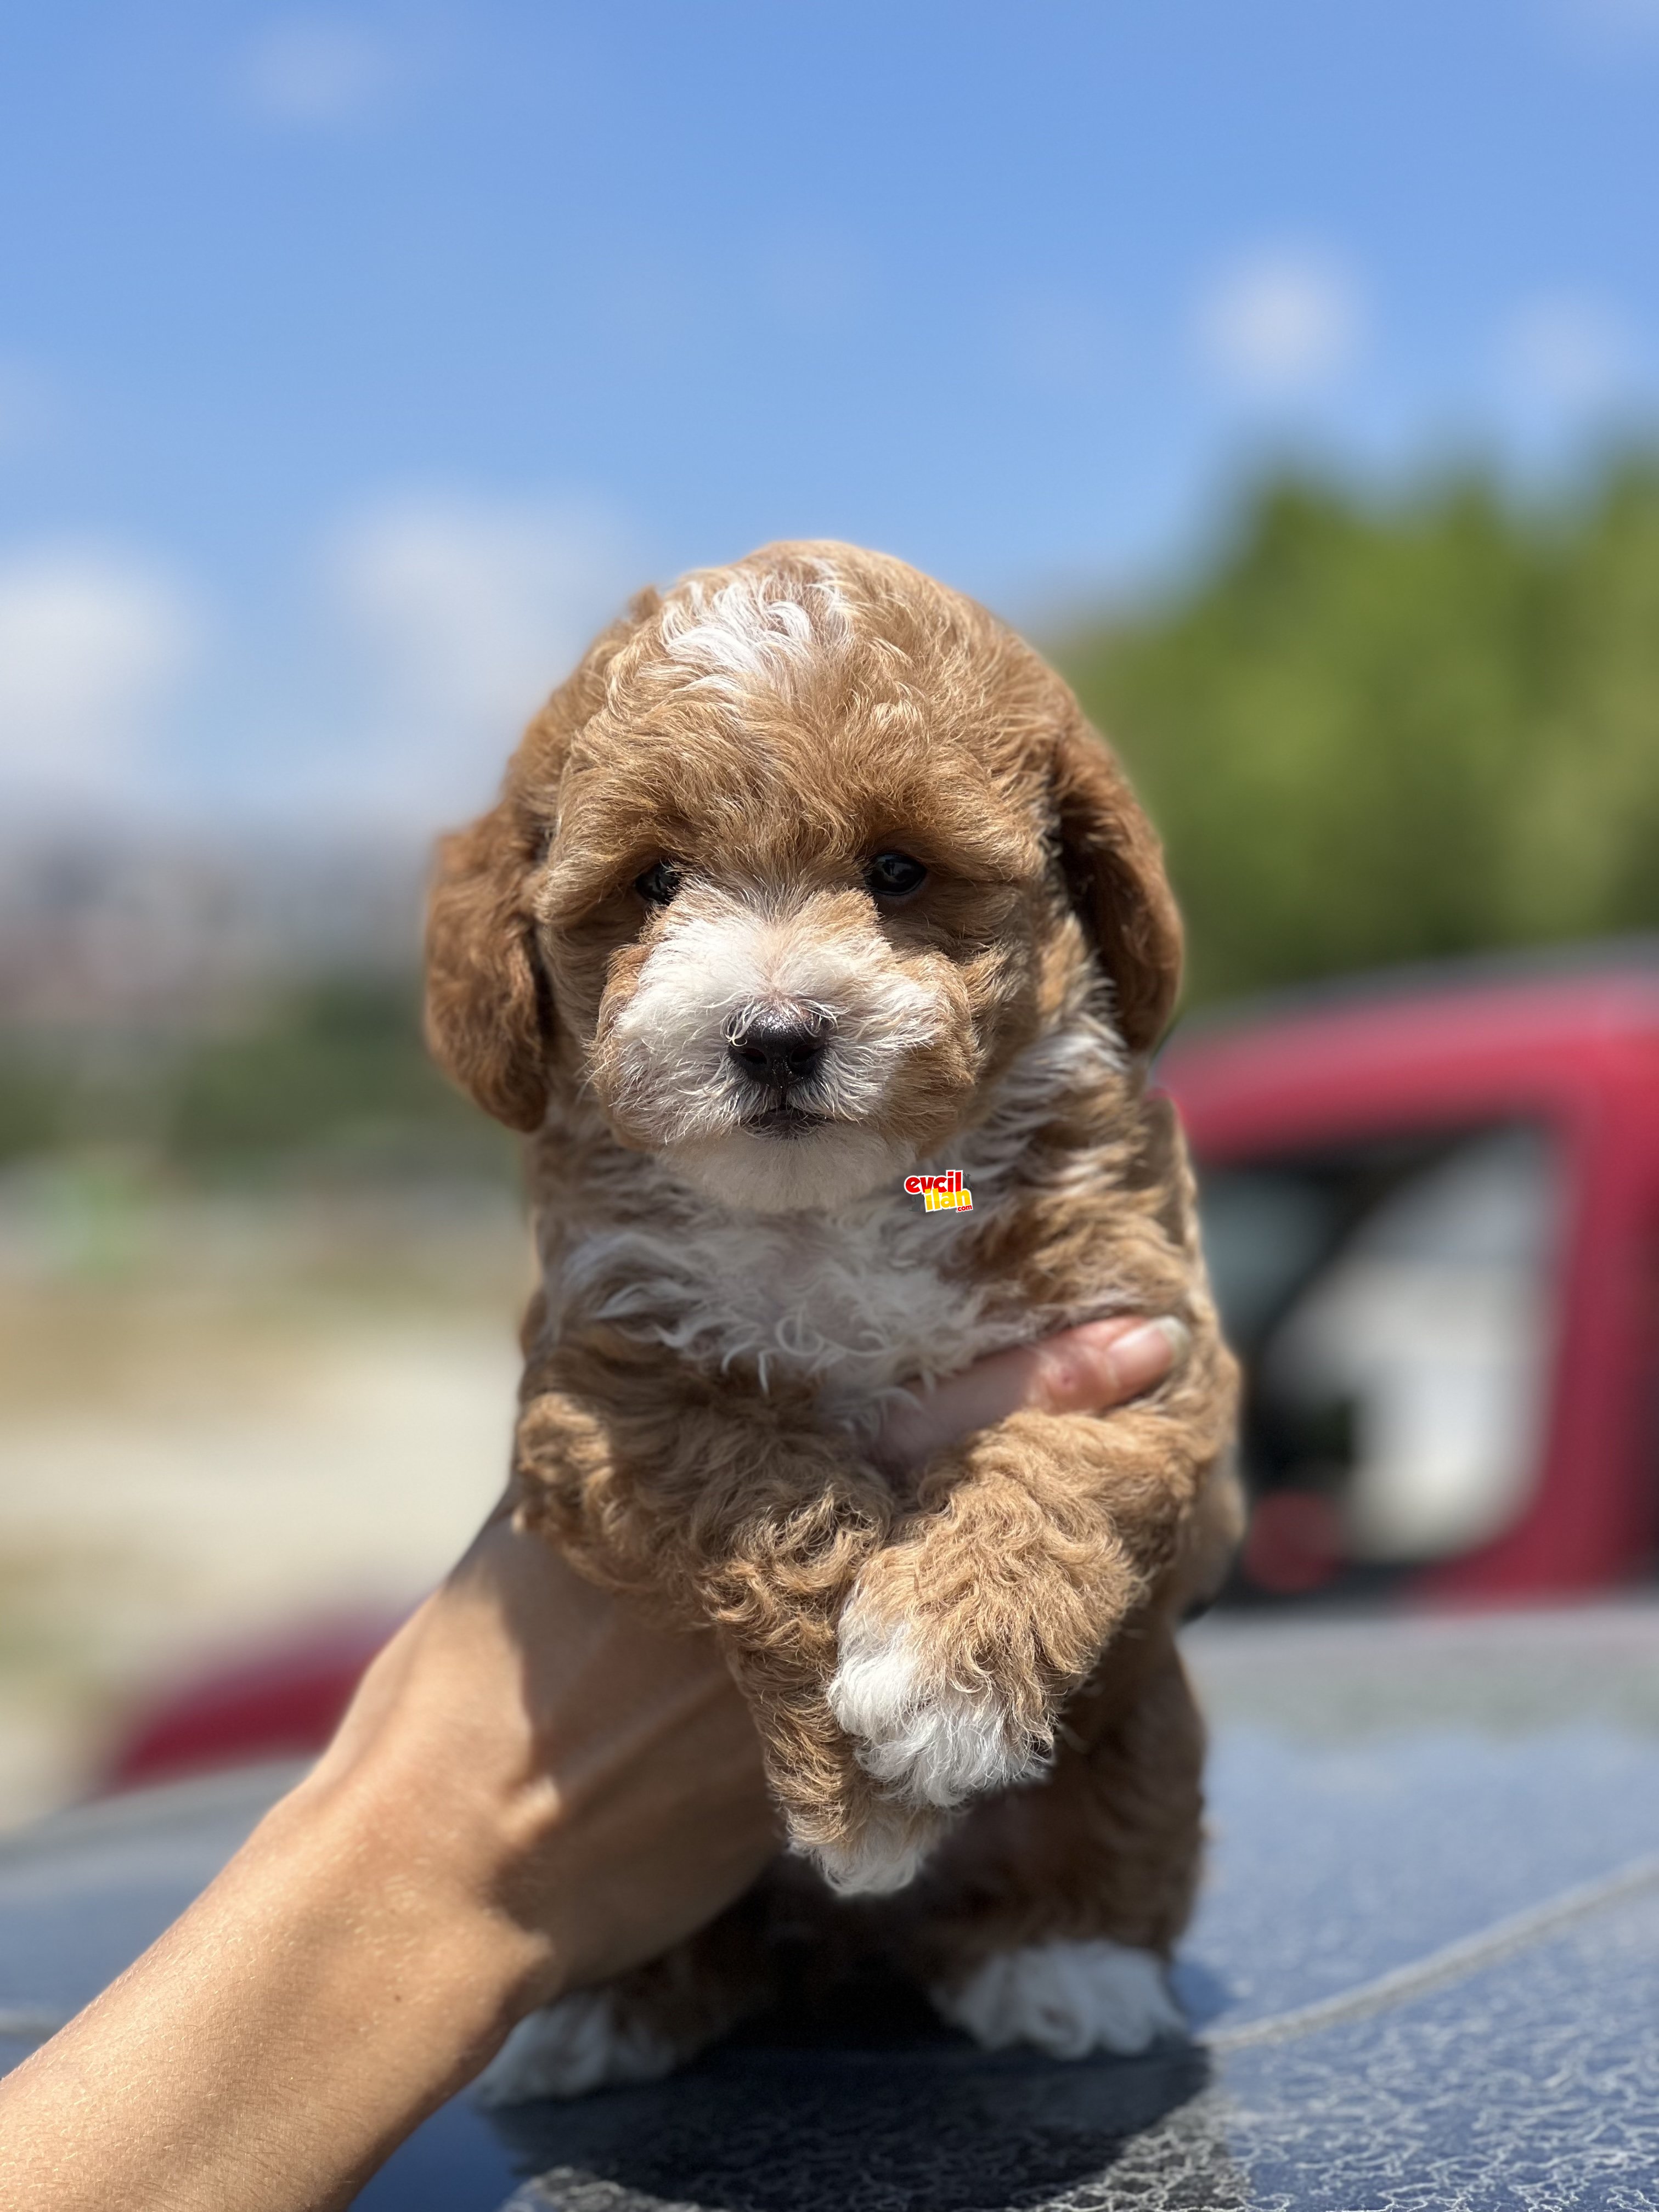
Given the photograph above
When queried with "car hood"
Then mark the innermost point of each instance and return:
(1421, 1971)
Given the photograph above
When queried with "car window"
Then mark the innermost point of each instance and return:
(1392, 1306)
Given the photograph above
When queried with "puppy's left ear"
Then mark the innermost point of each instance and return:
(488, 1017)
(1113, 868)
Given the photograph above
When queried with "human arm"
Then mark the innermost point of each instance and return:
(532, 1788)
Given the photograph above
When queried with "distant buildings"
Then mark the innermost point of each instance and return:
(166, 932)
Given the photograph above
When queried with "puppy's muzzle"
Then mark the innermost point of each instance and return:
(778, 1049)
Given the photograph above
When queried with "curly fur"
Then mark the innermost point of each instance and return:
(965, 1680)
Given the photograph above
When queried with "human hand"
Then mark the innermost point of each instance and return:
(551, 1757)
(1087, 1369)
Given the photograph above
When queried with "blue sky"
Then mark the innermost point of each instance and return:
(355, 362)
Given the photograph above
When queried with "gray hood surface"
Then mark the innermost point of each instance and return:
(1424, 1972)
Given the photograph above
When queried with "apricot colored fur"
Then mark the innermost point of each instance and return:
(1037, 1567)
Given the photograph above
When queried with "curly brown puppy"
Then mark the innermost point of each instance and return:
(810, 881)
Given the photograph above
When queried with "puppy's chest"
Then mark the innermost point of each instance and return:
(853, 1306)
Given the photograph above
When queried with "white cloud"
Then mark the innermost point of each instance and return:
(465, 613)
(315, 72)
(1280, 323)
(1569, 354)
(94, 646)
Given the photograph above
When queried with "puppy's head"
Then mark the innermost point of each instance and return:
(786, 873)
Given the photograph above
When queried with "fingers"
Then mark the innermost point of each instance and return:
(1082, 1371)
(1087, 1370)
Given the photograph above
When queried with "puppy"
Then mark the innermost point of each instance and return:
(810, 881)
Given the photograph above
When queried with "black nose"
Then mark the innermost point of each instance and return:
(778, 1049)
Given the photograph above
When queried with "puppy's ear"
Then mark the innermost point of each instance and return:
(1114, 872)
(488, 1017)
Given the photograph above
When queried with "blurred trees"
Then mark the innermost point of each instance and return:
(1378, 731)
(339, 1065)
(330, 1076)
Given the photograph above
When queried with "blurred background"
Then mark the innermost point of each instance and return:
(1290, 372)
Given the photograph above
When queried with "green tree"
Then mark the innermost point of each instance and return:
(1378, 730)
(338, 1067)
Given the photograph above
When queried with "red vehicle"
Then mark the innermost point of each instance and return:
(1431, 1208)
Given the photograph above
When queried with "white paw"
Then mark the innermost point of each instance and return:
(571, 2047)
(886, 1854)
(930, 1740)
(1066, 1999)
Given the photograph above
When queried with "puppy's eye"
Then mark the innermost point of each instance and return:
(658, 885)
(895, 875)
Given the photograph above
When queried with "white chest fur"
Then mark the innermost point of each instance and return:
(855, 1302)
(858, 1302)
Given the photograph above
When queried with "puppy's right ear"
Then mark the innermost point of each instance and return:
(489, 1019)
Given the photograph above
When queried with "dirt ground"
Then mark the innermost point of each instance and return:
(218, 1419)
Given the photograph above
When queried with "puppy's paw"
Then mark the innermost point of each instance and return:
(928, 1739)
(885, 1852)
(1067, 1999)
(587, 2041)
